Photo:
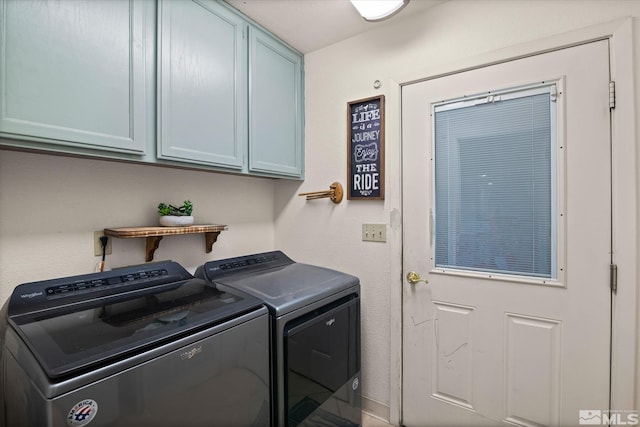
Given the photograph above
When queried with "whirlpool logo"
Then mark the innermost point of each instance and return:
(31, 295)
(189, 354)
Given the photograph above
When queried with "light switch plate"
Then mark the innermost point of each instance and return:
(374, 232)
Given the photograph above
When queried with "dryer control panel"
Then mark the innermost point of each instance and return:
(214, 269)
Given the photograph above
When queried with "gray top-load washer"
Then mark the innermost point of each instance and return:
(147, 345)
(315, 335)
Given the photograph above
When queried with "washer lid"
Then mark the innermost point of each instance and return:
(70, 332)
(283, 285)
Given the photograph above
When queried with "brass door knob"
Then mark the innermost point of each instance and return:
(414, 278)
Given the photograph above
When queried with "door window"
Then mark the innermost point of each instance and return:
(495, 180)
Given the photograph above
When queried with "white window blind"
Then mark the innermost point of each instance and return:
(495, 183)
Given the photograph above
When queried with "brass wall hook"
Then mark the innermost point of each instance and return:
(335, 193)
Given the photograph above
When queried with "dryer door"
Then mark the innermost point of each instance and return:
(322, 366)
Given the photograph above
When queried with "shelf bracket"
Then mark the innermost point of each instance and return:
(153, 242)
(210, 238)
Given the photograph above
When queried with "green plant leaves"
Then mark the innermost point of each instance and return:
(185, 210)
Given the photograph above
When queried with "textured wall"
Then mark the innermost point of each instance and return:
(50, 206)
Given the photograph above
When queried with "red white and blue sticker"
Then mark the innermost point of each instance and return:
(82, 413)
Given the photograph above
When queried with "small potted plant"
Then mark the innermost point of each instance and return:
(172, 216)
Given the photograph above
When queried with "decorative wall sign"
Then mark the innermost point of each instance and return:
(365, 144)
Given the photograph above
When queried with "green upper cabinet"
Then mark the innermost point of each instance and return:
(202, 83)
(73, 74)
(275, 107)
(190, 83)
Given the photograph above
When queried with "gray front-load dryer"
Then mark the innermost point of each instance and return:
(315, 335)
(140, 346)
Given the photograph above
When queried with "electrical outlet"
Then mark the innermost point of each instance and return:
(97, 245)
(374, 232)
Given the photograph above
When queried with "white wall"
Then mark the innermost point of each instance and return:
(444, 39)
(50, 206)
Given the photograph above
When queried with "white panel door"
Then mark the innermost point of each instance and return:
(482, 345)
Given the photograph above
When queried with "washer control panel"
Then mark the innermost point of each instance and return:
(115, 281)
(49, 294)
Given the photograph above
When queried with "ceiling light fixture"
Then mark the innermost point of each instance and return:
(376, 10)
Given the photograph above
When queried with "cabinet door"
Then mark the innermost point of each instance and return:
(73, 73)
(201, 84)
(275, 109)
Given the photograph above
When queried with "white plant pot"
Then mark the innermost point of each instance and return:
(176, 221)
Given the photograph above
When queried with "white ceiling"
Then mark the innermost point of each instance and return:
(308, 25)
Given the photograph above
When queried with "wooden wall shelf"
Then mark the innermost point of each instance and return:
(155, 234)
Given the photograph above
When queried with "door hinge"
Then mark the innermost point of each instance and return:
(613, 279)
(612, 94)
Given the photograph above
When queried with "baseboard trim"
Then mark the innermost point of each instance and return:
(376, 409)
